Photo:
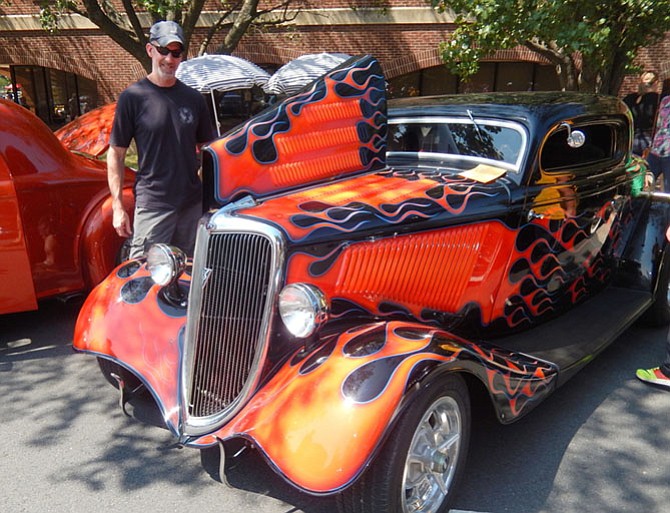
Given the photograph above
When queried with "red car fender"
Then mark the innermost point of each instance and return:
(144, 340)
(99, 244)
(320, 419)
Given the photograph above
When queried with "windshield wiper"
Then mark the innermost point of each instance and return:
(472, 118)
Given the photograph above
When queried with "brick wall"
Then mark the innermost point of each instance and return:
(400, 48)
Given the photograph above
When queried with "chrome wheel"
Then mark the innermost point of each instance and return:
(423, 460)
(432, 458)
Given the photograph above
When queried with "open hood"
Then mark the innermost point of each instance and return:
(334, 127)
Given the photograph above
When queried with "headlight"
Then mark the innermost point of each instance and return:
(302, 308)
(165, 263)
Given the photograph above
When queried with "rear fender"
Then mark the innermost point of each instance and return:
(127, 319)
(99, 244)
(320, 420)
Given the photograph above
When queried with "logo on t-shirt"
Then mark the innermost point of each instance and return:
(186, 116)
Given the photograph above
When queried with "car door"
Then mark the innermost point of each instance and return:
(17, 292)
(569, 224)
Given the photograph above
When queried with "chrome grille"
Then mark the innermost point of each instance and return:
(234, 283)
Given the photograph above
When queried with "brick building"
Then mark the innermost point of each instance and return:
(60, 75)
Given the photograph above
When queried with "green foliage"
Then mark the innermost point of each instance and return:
(51, 10)
(603, 36)
(125, 26)
(163, 8)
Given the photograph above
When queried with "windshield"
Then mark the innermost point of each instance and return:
(464, 142)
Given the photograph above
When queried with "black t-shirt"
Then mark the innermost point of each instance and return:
(643, 108)
(167, 123)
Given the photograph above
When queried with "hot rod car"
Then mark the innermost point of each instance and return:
(365, 270)
(56, 234)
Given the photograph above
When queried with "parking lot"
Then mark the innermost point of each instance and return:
(599, 444)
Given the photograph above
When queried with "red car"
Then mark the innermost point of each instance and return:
(56, 234)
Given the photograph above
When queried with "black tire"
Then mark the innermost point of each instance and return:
(659, 312)
(124, 252)
(441, 410)
(108, 367)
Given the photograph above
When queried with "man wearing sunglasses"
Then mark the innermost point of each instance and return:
(168, 121)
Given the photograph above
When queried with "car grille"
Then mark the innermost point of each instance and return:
(231, 293)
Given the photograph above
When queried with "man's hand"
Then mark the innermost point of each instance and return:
(121, 222)
(115, 169)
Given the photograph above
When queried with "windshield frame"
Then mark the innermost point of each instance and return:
(423, 157)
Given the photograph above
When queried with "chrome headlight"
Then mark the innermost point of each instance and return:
(165, 263)
(302, 308)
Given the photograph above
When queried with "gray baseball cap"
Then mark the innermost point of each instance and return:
(166, 32)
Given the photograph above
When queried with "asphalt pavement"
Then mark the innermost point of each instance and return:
(599, 444)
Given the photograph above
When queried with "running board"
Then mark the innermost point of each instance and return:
(573, 339)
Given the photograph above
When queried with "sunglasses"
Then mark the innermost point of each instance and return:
(164, 51)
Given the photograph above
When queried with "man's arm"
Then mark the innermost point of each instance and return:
(116, 157)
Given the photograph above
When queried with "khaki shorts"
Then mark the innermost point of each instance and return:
(175, 227)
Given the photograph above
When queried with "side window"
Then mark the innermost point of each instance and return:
(604, 145)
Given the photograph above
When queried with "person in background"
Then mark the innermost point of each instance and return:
(168, 121)
(643, 106)
(658, 375)
(659, 152)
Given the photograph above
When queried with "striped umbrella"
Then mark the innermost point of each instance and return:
(209, 73)
(299, 72)
(221, 73)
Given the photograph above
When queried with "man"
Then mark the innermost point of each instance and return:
(643, 105)
(168, 121)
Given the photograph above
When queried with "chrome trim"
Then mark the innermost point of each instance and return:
(224, 222)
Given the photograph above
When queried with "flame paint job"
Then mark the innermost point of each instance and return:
(512, 276)
(321, 416)
(426, 265)
(57, 236)
(340, 132)
(130, 299)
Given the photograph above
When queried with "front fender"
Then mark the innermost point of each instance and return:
(322, 417)
(127, 319)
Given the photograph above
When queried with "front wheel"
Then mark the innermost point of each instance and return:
(423, 459)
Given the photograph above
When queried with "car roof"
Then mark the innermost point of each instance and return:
(529, 108)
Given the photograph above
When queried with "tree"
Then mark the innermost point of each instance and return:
(125, 27)
(592, 44)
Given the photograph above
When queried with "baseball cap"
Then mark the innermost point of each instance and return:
(166, 32)
(648, 77)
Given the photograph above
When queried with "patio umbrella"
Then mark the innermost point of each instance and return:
(299, 72)
(210, 73)
(221, 73)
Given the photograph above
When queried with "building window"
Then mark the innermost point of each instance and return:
(55, 96)
(492, 76)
